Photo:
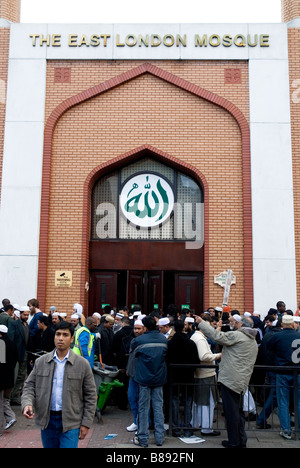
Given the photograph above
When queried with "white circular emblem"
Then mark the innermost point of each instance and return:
(147, 200)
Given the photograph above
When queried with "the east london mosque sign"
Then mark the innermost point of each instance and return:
(150, 40)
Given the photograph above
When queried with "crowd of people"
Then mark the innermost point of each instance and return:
(211, 357)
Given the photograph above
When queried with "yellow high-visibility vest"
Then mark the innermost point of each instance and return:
(77, 348)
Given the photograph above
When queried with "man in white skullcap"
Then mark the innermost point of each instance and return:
(75, 323)
(78, 309)
(235, 322)
(188, 326)
(165, 328)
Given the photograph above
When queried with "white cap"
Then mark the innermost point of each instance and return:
(78, 308)
(75, 317)
(163, 321)
(138, 322)
(189, 320)
(96, 314)
(136, 313)
(24, 309)
(16, 306)
(237, 318)
(3, 329)
(247, 314)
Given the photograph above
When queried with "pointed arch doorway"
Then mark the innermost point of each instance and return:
(133, 262)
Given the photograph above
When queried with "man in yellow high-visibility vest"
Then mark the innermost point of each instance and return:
(85, 340)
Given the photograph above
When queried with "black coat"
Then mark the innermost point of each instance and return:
(182, 350)
(16, 333)
(7, 370)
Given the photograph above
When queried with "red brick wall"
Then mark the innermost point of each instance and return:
(4, 45)
(290, 10)
(146, 111)
(294, 64)
(10, 9)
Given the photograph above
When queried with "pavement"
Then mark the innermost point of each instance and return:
(24, 434)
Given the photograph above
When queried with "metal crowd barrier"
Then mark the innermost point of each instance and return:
(254, 400)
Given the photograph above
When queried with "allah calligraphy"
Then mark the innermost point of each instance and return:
(147, 200)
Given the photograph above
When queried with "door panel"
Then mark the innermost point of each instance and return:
(103, 290)
(189, 292)
(155, 290)
(135, 288)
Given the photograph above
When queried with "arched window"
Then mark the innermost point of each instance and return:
(147, 200)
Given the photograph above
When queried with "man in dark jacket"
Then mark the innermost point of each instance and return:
(181, 350)
(285, 346)
(18, 332)
(8, 360)
(149, 352)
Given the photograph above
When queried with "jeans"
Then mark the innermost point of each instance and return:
(133, 398)
(271, 402)
(149, 395)
(285, 387)
(187, 415)
(53, 437)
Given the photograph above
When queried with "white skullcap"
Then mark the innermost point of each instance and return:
(163, 321)
(136, 313)
(16, 306)
(96, 314)
(56, 314)
(189, 320)
(287, 319)
(63, 314)
(247, 314)
(75, 317)
(138, 322)
(24, 309)
(78, 308)
(3, 329)
(237, 318)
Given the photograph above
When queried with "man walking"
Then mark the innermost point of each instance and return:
(62, 392)
(149, 351)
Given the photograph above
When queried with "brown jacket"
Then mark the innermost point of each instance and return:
(79, 398)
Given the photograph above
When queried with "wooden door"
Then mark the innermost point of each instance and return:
(103, 290)
(189, 291)
(135, 288)
(154, 290)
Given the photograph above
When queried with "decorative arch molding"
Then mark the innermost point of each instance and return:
(129, 158)
(109, 85)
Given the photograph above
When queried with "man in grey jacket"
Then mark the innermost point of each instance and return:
(61, 391)
(239, 355)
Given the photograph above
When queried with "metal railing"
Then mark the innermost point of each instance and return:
(261, 391)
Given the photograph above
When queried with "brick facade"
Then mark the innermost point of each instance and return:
(4, 47)
(290, 10)
(10, 10)
(294, 65)
(151, 111)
